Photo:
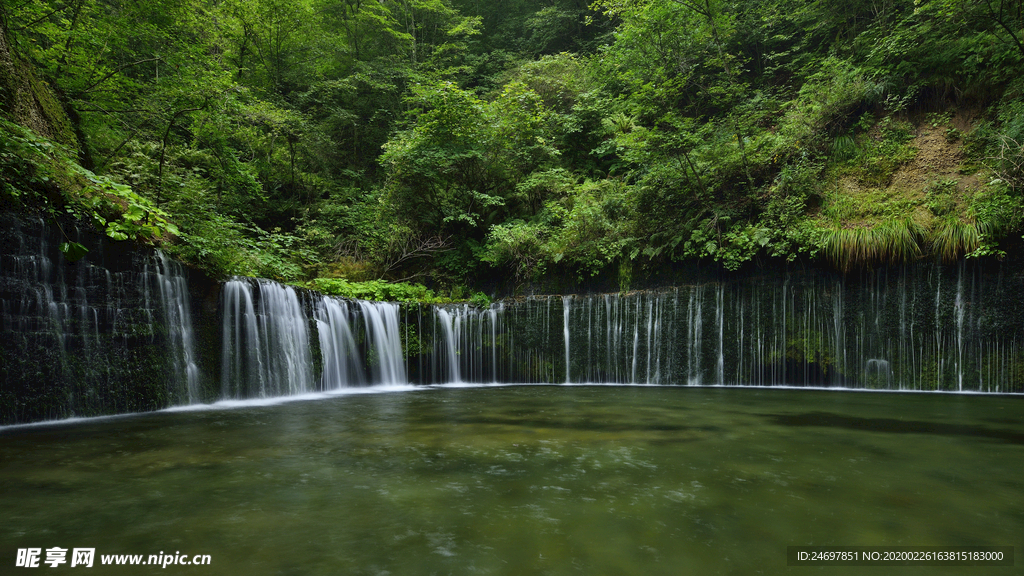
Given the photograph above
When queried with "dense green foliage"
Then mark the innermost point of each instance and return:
(458, 141)
(35, 172)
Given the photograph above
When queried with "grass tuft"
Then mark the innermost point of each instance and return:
(890, 242)
(953, 238)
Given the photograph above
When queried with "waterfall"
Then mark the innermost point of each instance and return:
(958, 312)
(341, 360)
(695, 335)
(111, 332)
(812, 329)
(265, 339)
(178, 317)
(461, 351)
(451, 325)
(117, 332)
(382, 330)
(266, 346)
(565, 333)
(493, 314)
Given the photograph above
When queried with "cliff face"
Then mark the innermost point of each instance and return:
(26, 100)
(109, 333)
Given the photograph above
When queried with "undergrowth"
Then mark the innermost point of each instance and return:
(381, 290)
(38, 174)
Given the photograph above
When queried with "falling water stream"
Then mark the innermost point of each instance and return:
(109, 333)
(633, 452)
(120, 335)
(947, 330)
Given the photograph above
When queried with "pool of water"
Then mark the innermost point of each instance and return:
(523, 480)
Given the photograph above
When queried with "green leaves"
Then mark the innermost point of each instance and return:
(111, 206)
(291, 137)
(519, 246)
(587, 231)
(73, 251)
(459, 165)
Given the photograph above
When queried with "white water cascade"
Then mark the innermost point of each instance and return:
(115, 332)
(918, 328)
(451, 324)
(110, 332)
(810, 330)
(464, 351)
(341, 360)
(566, 306)
(265, 346)
(178, 320)
(381, 321)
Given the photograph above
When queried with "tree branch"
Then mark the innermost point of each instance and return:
(163, 149)
(40, 19)
(997, 16)
(115, 71)
(413, 248)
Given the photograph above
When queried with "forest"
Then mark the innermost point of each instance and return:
(430, 149)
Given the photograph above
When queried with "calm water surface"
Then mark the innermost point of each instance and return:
(523, 480)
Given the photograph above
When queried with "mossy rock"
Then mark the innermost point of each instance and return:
(28, 101)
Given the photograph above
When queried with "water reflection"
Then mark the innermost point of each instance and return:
(523, 480)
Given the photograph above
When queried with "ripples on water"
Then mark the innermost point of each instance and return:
(522, 480)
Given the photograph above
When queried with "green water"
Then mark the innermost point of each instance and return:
(523, 480)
